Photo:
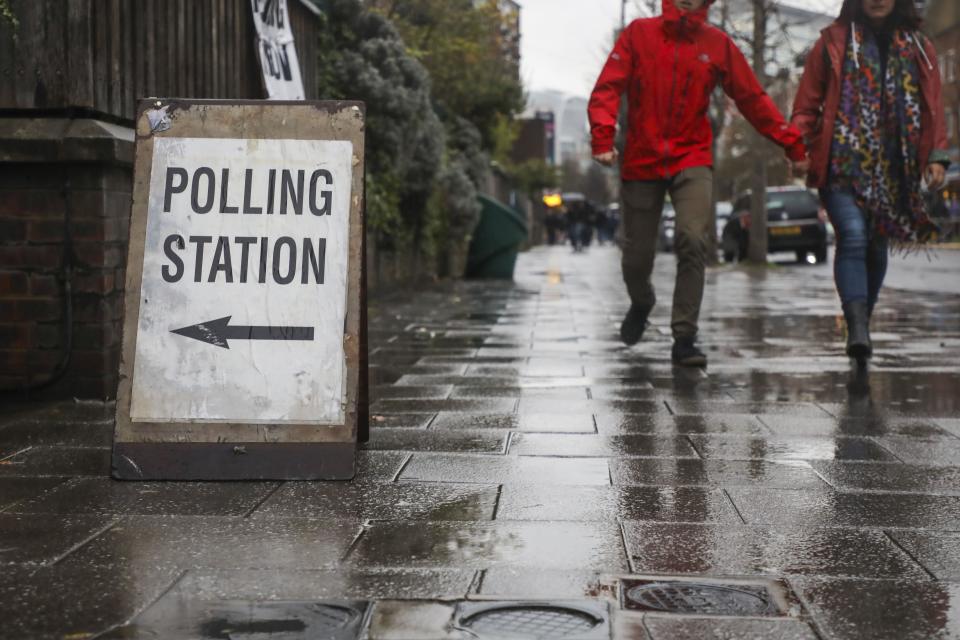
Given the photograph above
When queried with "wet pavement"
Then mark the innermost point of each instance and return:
(522, 457)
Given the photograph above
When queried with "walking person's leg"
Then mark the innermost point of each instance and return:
(850, 269)
(642, 208)
(692, 195)
(877, 252)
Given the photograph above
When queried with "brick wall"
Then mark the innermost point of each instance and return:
(63, 233)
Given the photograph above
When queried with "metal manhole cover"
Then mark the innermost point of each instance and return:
(532, 620)
(707, 599)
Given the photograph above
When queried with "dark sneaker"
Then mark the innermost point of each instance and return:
(686, 354)
(633, 325)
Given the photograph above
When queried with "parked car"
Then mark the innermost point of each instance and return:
(795, 222)
(668, 228)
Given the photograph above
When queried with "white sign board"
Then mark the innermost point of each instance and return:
(245, 279)
(276, 50)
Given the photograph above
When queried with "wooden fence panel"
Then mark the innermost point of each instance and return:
(105, 55)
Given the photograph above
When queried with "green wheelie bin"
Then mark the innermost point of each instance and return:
(496, 241)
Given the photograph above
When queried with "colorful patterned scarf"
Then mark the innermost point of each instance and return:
(877, 136)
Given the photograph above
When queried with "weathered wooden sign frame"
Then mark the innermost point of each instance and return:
(240, 450)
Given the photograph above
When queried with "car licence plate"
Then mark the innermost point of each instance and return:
(785, 231)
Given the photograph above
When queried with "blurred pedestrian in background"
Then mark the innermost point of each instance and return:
(869, 105)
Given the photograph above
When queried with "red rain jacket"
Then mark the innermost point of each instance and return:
(669, 66)
(818, 99)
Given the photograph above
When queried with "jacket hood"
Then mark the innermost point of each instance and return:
(679, 23)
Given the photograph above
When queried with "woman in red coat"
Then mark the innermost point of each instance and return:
(869, 107)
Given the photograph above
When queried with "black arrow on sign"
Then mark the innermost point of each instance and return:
(218, 332)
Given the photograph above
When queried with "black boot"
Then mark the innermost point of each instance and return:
(634, 324)
(686, 354)
(858, 331)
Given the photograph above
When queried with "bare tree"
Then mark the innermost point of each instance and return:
(757, 252)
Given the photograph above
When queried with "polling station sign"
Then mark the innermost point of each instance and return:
(277, 50)
(241, 333)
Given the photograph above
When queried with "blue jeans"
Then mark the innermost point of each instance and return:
(860, 263)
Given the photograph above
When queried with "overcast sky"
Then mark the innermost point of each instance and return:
(565, 42)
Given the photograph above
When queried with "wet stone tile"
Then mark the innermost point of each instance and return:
(459, 441)
(715, 473)
(795, 426)
(927, 451)
(14, 490)
(544, 545)
(769, 448)
(380, 502)
(397, 392)
(502, 405)
(379, 466)
(342, 583)
(42, 539)
(661, 504)
(401, 421)
(78, 602)
(673, 628)
(710, 549)
(883, 610)
(527, 583)
(612, 424)
(939, 553)
(105, 496)
(573, 405)
(831, 508)
(191, 542)
(425, 467)
(890, 477)
(57, 461)
(533, 422)
(592, 445)
(803, 409)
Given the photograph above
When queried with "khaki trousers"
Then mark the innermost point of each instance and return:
(691, 192)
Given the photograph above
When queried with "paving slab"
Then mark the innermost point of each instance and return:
(727, 447)
(663, 504)
(576, 422)
(673, 628)
(57, 461)
(552, 545)
(405, 501)
(833, 508)
(890, 478)
(938, 552)
(586, 446)
(191, 542)
(724, 550)
(426, 467)
(459, 441)
(883, 610)
(104, 496)
(789, 474)
(14, 490)
(45, 539)
(613, 424)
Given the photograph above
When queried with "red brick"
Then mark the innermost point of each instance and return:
(31, 257)
(49, 335)
(30, 310)
(45, 231)
(97, 282)
(17, 337)
(31, 203)
(13, 283)
(44, 285)
(90, 307)
(90, 230)
(86, 204)
(12, 230)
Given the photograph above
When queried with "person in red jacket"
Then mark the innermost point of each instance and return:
(869, 105)
(668, 67)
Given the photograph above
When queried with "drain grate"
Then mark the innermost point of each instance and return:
(699, 598)
(533, 620)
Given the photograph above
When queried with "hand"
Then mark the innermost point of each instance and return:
(935, 175)
(607, 159)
